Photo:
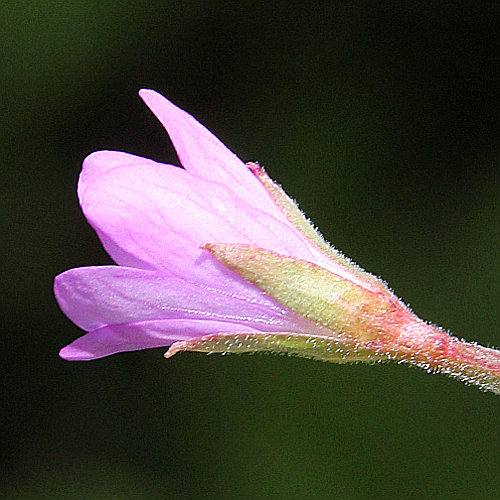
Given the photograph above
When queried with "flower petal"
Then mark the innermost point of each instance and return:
(142, 335)
(203, 154)
(94, 166)
(152, 215)
(95, 297)
(100, 162)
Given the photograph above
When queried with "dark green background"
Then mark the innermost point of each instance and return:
(381, 118)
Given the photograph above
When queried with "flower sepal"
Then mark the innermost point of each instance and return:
(321, 348)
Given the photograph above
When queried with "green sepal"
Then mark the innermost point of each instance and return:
(316, 347)
(298, 219)
(344, 307)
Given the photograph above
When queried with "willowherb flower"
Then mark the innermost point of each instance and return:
(215, 257)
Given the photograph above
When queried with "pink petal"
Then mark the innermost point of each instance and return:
(102, 161)
(142, 335)
(94, 297)
(152, 215)
(203, 154)
(95, 165)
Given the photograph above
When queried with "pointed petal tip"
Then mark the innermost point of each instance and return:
(70, 353)
(149, 96)
(145, 92)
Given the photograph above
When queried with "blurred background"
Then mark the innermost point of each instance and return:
(381, 118)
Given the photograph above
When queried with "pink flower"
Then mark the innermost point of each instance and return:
(153, 219)
(215, 257)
